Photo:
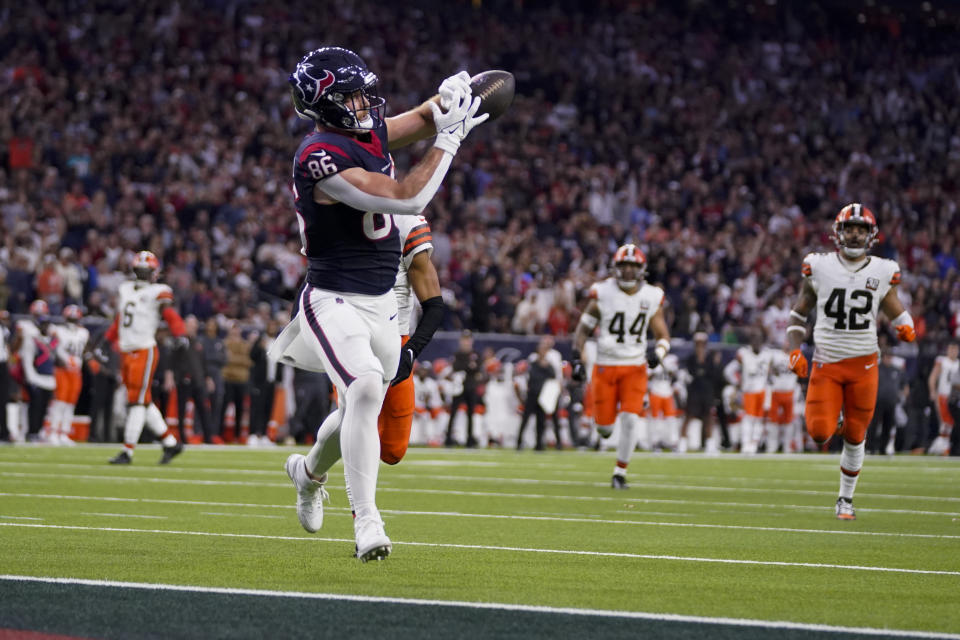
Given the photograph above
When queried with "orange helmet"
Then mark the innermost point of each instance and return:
(39, 308)
(493, 366)
(440, 365)
(145, 265)
(629, 254)
(855, 214)
(521, 367)
(72, 313)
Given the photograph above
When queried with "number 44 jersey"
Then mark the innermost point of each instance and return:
(622, 332)
(848, 299)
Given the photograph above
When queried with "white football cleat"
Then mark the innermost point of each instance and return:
(940, 446)
(310, 493)
(372, 540)
(845, 509)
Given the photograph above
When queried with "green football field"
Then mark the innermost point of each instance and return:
(487, 543)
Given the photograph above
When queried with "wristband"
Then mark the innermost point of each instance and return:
(798, 316)
(589, 321)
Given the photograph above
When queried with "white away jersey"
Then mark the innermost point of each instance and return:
(947, 369)
(663, 375)
(68, 343)
(847, 304)
(782, 377)
(415, 237)
(138, 313)
(753, 369)
(624, 318)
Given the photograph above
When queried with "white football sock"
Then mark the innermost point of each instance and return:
(629, 423)
(326, 450)
(360, 441)
(134, 426)
(66, 419)
(851, 461)
(158, 426)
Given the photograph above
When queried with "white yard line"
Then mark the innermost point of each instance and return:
(123, 515)
(741, 505)
(496, 494)
(476, 547)
(241, 515)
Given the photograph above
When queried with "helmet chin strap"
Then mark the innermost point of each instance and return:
(627, 284)
(853, 252)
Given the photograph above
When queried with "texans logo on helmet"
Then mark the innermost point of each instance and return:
(322, 84)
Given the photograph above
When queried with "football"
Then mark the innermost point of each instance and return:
(495, 88)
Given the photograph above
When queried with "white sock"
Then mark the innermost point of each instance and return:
(66, 419)
(156, 423)
(629, 423)
(326, 450)
(134, 426)
(360, 441)
(851, 461)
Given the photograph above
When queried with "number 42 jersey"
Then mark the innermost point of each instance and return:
(624, 318)
(848, 300)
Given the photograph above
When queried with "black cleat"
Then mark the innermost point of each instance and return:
(169, 453)
(123, 457)
(619, 482)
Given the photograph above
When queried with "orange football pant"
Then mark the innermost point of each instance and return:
(396, 419)
(137, 369)
(849, 385)
(68, 383)
(662, 406)
(617, 388)
(781, 407)
(946, 420)
(753, 404)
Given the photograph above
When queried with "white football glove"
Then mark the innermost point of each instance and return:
(449, 88)
(454, 124)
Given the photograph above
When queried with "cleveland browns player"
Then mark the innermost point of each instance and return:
(141, 303)
(623, 307)
(346, 195)
(847, 288)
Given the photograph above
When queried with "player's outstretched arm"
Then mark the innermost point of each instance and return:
(417, 123)
(371, 191)
(658, 325)
(426, 285)
(902, 321)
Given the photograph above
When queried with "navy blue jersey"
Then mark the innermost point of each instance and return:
(347, 250)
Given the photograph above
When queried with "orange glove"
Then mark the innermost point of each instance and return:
(906, 333)
(798, 363)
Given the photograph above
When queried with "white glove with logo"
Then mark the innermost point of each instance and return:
(449, 88)
(455, 123)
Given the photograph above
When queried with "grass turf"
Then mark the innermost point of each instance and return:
(727, 537)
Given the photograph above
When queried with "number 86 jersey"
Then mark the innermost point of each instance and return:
(848, 299)
(624, 317)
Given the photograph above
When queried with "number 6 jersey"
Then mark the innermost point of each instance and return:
(848, 299)
(624, 317)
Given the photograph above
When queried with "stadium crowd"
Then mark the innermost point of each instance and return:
(168, 127)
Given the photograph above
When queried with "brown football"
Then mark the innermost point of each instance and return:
(495, 88)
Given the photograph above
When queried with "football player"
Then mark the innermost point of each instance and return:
(622, 308)
(748, 371)
(783, 392)
(36, 362)
(940, 386)
(141, 303)
(663, 407)
(417, 274)
(346, 195)
(68, 342)
(848, 288)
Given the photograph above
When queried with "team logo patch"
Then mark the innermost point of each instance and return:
(872, 284)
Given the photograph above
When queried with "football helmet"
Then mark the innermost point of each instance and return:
(39, 308)
(145, 266)
(72, 313)
(855, 214)
(629, 266)
(333, 86)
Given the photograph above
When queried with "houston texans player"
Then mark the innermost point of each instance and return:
(346, 323)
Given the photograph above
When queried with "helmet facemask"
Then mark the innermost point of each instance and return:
(869, 238)
(629, 274)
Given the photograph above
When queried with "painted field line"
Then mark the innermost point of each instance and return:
(495, 516)
(479, 547)
(123, 515)
(754, 505)
(386, 487)
(241, 515)
(495, 606)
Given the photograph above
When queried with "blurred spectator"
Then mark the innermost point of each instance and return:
(236, 377)
(214, 358)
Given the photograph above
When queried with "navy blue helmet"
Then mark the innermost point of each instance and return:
(334, 87)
